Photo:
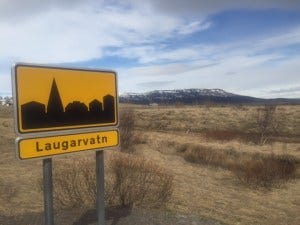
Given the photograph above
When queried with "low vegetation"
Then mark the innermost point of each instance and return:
(252, 169)
(74, 184)
(126, 127)
(130, 181)
(140, 182)
(267, 123)
(229, 135)
(267, 171)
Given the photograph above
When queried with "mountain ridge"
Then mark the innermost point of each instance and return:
(198, 96)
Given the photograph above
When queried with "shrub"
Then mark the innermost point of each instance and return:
(129, 181)
(126, 129)
(5, 124)
(8, 191)
(208, 156)
(74, 184)
(267, 170)
(181, 148)
(267, 123)
(140, 182)
(252, 169)
(202, 155)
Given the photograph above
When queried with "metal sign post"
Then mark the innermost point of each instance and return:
(48, 191)
(100, 207)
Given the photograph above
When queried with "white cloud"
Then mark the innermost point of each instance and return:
(158, 54)
(77, 30)
(53, 38)
(240, 51)
(16, 10)
(291, 37)
(237, 72)
(78, 34)
(66, 31)
(203, 8)
(70, 31)
(194, 26)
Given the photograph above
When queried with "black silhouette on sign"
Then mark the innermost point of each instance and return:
(35, 115)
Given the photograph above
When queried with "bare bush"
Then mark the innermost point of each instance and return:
(129, 181)
(126, 129)
(208, 156)
(203, 155)
(267, 170)
(141, 183)
(267, 123)
(5, 123)
(251, 169)
(181, 148)
(8, 191)
(75, 184)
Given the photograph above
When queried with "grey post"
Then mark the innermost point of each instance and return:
(48, 191)
(100, 187)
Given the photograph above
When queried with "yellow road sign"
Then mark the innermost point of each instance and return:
(48, 146)
(57, 98)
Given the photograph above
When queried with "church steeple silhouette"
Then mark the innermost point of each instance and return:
(55, 109)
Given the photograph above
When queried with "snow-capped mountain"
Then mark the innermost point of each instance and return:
(197, 96)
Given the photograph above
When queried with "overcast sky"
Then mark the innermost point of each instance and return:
(249, 47)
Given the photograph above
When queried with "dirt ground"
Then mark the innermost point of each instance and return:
(113, 217)
(202, 194)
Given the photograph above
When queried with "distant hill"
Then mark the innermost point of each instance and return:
(198, 96)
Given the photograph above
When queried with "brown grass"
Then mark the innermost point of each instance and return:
(267, 171)
(252, 169)
(253, 137)
(208, 156)
(229, 135)
(6, 111)
(198, 119)
(8, 191)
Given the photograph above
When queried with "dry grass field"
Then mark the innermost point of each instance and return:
(211, 188)
(220, 168)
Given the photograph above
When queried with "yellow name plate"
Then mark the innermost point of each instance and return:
(48, 146)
